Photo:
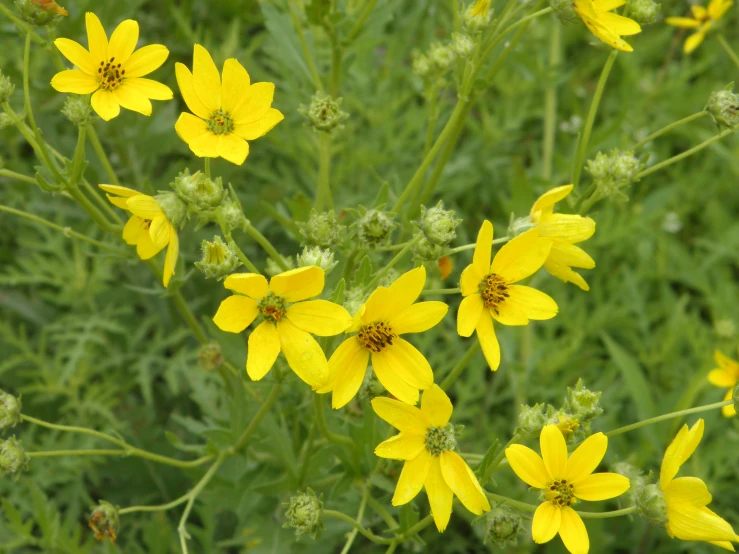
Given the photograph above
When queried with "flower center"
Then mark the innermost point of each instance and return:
(494, 291)
(561, 493)
(376, 336)
(220, 123)
(110, 74)
(440, 439)
(273, 307)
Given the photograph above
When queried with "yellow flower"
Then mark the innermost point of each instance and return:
(489, 292)
(686, 498)
(564, 482)
(227, 113)
(565, 230)
(607, 26)
(400, 367)
(148, 228)
(480, 8)
(289, 318)
(426, 442)
(702, 20)
(727, 376)
(112, 71)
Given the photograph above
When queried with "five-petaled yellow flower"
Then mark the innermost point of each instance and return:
(426, 442)
(112, 71)
(400, 367)
(489, 291)
(726, 376)
(564, 482)
(607, 26)
(687, 498)
(288, 319)
(565, 230)
(148, 229)
(227, 113)
(702, 20)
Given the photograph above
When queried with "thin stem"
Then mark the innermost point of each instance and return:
(671, 415)
(582, 145)
(728, 48)
(232, 244)
(267, 246)
(524, 20)
(102, 156)
(358, 526)
(207, 168)
(258, 417)
(323, 192)
(550, 102)
(392, 547)
(472, 245)
(307, 54)
(181, 528)
(323, 424)
(382, 512)
(92, 210)
(441, 291)
(337, 56)
(495, 463)
(587, 515)
(360, 515)
(79, 157)
(181, 305)
(369, 5)
(157, 508)
(17, 176)
(460, 365)
(23, 25)
(53, 453)
(669, 127)
(433, 117)
(384, 271)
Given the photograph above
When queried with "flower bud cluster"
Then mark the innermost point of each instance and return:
(644, 12)
(374, 227)
(476, 16)
(438, 228)
(78, 109)
(723, 105)
(198, 191)
(6, 88)
(305, 513)
(613, 171)
(210, 356)
(173, 207)
(503, 526)
(324, 113)
(10, 410)
(218, 260)
(322, 229)
(13, 458)
(40, 12)
(317, 256)
(441, 57)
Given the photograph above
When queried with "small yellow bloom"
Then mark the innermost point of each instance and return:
(726, 376)
(426, 442)
(112, 71)
(687, 498)
(607, 26)
(565, 230)
(400, 367)
(565, 481)
(288, 319)
(227, 113)
(702, 20)
(148, 228)
(489, 292)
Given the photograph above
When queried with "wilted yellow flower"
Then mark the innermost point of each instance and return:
(50, 6)
(399, 366)
(489, 291)
(702, 20)
(726, 376)
(565, 230)
(227, 113)
(112, 71)
(445, 267)
(288, 319)
(565, 481)
(426, 442)
(148, 229)
(607, 26)
(687, 498)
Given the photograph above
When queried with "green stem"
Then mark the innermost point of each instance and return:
(79, 158)
(92, 210)
(669, 127)
(158, 508)
(433, 117)
(360, 515)
(670, 415)
(382, 512)
(207, 167)
(460, 366)
(53, 453)
(523, 21)
(472, 245)
(369, 5)
(337, 55)
(323, 193)
(23, 25)
(267, 246)
(420, 526)
(384, 271)
(17, 176)
(586, 515)
(582, 145)
(323, 424)
(181, 305)
(358, 526)
(307, 54)
(181, 528)
(441, 291)
(232, 244)
(495, 462)
(728, 48)
(102, 156)
(550, 102)
(103, 203)
(258, 417)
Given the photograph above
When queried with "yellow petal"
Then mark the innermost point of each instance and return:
(469, 281)
(252, 285)
(690, 523)
(528, 465)
(683, 22)
(699, 12)
(304, 355)
(298, 284)
(586, 457)
(235, 84)
(264, 347)
(687, 490)
(378, 306)
(680, 449)
(401, 447)
(436, 406)
(418, 318)
(159, 231)
(608, 5)
(77, 54)
(545, 525)
(606, 35)
(145, 60)
(544, 205)
(533, 303)
(144, 206)
(349, 364)
(233, 148)
(729, 410)
(553, 451)
(693, 42)
(406, 289)
(470, 311)
(717, 9)
(149, 88)
(721, 378)
(521, 257)
(132, 99)
(320, 317)
(440, 495)
(105, 105)
(187, 89)
(483, 248)
(235, 314)
(573, 533)
(123, 41)
(205, 146)
(488, 341)
(96, 38)
(724, 362)
(145, 248)
(619, 24)
(170, 260)
(190, 127)
(567, 227)
(570, 255)
(509, 313)
(566, 274)
(601, 486)
(255, 103)
(463, 482)
(393, 383)
(134, 228)
(260, 127)
(120, 191)
(402, 416)
(404, 360)
(412, 478)
(206, 79)
(74, 81)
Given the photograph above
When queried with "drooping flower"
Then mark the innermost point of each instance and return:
(565, 230)
(111, 71)
(687, 498)
(607, 26)
(399, 366)
(228, 112)
(426, 442)
(288, 320)
(490, 293)
(725, 376)
(149, 228)
(564, 482)
(703, 19)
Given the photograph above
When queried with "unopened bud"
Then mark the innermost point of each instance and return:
(218, 260)
(13, 459)
(583, 403)
(477, 16)
(233, 215)
(564, 10)
(636, 479)
(531, 421)
(6, 88)
(441, 57)
(6, 120)
(651, 505)
(174, 208)
(723, 105)
(10, 410)
(374, 228)
(425, 251)
(210, 356)
(198, 190)
(315, 255)
(462, 45)
(566, 423)
(438, 225)
(78, 109)
(421, 65)
(105, 521)
(40, 12)
(322, 229)
(503, 525)
(613, 171)
(305, 513)
(324, 113)
(644, 12)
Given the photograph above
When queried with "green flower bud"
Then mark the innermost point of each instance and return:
(462, 45)
(271, 268)
(199, 191)
(613, 171)
(425, 251)
(6, 88)
(503, 525)
(174, 208)
(583, 403)
(421, 65)
(324, 113)
(441, 57)
(725, 328)
(31, 12)
(233, 215)
(105, 521)
(531, 421)
(6, 121)
(218, 260)
(374, 227)
(477, 16)
(637, 480)
(78, 109)
(564, 10)
(644, 12)
(305, 513)
(520, 225)
(210, 356)
(723, 105)
(315, 255)
(322, 229)
(10, 410)
(651, 505)
(438, 225)
(13, 459)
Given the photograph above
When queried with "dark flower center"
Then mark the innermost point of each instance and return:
(376, 336)
(494, 291)
(110, 74)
